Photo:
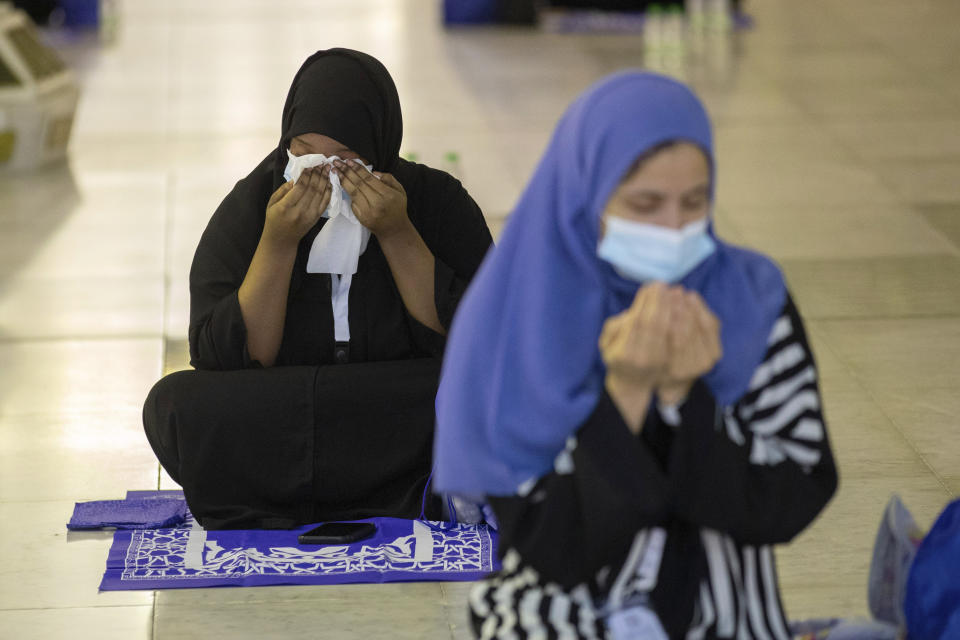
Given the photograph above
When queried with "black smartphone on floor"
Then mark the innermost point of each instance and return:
(338, 533)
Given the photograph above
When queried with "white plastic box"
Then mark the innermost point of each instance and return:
(38, 96)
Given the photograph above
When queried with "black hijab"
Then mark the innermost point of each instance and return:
(349, 96)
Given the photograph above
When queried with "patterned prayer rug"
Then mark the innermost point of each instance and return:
(189, 556)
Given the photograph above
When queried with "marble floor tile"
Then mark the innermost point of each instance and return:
(455, 603)
(818, 70)
(166, 482)
(757, 143)
(408, 594)
(768, 104)
(902, 355)
(401, 611)
(929, 418)
(835, 376)
(105, 623)
(66, 222)
(866, 443)
(74, 248)
(231, 155)
(900, 286)
(496, 227)
(794, 31)
(131, 114)
(903, 139)
(846, 233)
(520, 149)
(773, 180)
(104, 307)
(854, 103)
(51, 456)
(177, 303)
(176, 355)
(77, 376)
(945, 218)
(923, 181)
(45, 567)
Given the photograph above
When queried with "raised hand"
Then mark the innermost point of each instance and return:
(295, 207)
(634, 348)
(377, 199)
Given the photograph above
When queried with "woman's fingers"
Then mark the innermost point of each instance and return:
(297, 191)
(312, 210)
(325, 195)
(703, 342)
(708, 324)
(681, 326)
(612, 330)
(704, 315)
(657, 311)
(388, 180)
(644, 305)
(354, 186)
(280, 192)
(366, 179)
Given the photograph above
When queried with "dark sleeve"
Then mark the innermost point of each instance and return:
(762, 470)
(459, 243)
(607, 484)
(218, 335)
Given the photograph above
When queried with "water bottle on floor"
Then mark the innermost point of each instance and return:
(696, 15)
(674, 53)
(674, 43)
(717, 14)
(653, 37)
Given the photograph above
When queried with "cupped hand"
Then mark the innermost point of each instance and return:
(295, 207)
(633, 344)
(377, 199)
(694, 345)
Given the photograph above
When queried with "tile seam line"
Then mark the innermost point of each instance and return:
(99, 337)
(172, 98)
(896, 425)
(74, 608)
(880, 318)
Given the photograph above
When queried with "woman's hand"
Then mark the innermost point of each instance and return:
(294, 208)
(377, 199)
(633, 345)
(694, 345)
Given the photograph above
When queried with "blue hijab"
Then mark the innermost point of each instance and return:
(522, 369)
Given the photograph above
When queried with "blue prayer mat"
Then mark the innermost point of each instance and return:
(189, 556)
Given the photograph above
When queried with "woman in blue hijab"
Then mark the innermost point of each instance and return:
(636, 399)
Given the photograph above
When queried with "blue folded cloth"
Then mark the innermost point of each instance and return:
(133, 513)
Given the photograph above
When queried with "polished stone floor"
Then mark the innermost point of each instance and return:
(838, 134)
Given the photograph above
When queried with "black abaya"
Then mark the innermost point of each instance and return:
(310, 440)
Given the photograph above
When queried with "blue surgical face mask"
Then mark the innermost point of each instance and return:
(647, 252)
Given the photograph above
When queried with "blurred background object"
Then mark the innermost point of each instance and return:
(38, 95)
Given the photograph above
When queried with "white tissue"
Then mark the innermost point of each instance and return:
(342, 240)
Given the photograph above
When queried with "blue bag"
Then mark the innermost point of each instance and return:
(932, 603)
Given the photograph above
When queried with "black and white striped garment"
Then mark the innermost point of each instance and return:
(724, 484)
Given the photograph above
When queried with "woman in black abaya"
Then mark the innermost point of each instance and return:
(313, 394)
